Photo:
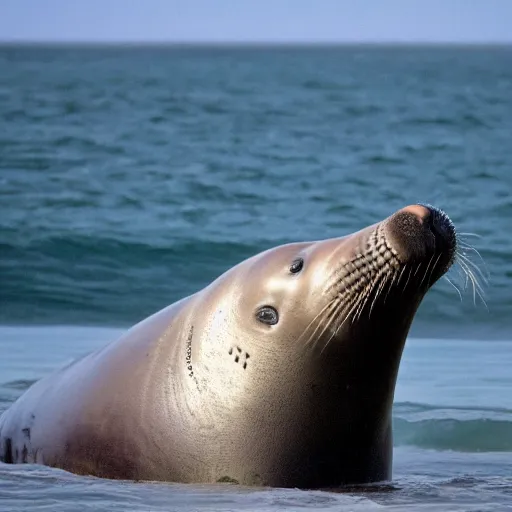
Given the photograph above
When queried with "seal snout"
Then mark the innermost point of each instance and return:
(419, 232)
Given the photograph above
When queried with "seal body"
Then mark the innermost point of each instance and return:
(281, 372)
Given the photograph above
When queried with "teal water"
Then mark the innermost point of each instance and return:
(131, 177)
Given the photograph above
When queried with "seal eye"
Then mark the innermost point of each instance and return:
(296, 265)
(267, 315)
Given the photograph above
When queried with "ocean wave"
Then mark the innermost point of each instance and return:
(461, 429)
(20, 384)
(465, 121)
(83, 279)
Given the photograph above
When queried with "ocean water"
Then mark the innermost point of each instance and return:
(131, 177)
(452, 430)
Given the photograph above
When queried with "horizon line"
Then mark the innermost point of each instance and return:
(246, 43)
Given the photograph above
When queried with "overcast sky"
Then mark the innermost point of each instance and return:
(257, 20)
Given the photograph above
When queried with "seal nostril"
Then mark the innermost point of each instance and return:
(429, 221)
(444, 234)
(440, 225)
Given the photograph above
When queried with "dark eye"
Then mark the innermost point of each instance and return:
(267, 315)
(296, 265)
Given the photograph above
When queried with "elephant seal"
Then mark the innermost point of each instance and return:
(279, 373)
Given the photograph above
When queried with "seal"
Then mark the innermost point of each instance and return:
(281, 372)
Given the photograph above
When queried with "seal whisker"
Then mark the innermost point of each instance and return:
(368, 293)
(468, 247)
(407, 282)
(337, 313)
(477, 289)
(395, 274)
(462, 275)
(433, 268)
(401, 274)
(473, 265)
(474, 272)
(331, 314)
(475, 279)
(322, 311)
(450, 281)
(469, 234)
(370, 288)
(331, 318)
(362, 303)
(334, 332)
(345, 316)
(426, 270)
(377, 293)
(363, 300)
(471, 277)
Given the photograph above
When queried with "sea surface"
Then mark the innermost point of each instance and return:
(133, 176)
